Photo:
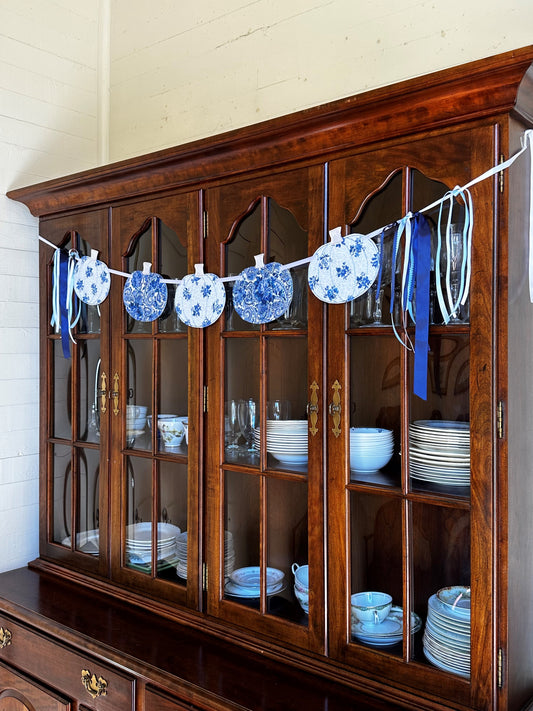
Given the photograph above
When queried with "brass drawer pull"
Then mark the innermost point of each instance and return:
(335, 408)
(95, 686)
(5, 637)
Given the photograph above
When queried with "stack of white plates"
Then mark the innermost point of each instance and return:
(286, 440)
(447, 632)
(181, 545)
(246, 582)
(139, 542)
(439, 452)
(388, 632)
(371, 448)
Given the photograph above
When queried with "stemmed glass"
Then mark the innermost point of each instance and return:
(451, 266)
(248, 414)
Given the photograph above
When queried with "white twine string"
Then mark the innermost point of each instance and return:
(526, 142)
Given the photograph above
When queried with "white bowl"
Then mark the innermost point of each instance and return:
(369, 462)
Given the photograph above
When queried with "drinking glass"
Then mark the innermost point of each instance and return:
(248, 414)
(232, 428)
(278, 409)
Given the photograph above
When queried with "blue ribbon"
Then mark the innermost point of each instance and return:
(421, 246)
(63, 304)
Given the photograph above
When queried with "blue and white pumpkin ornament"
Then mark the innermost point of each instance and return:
(200, 298)
(262, 293)
(344, 268)
(145, 294)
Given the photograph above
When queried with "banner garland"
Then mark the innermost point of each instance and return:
(353, 262)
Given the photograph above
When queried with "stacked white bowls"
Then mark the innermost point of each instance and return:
(371, 448)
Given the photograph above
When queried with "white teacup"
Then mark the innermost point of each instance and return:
(301, 577)
(159, 417)
(370, 607)
(172, 431)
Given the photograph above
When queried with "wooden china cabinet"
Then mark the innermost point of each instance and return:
(137, 599)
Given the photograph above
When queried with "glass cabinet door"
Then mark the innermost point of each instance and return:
(155, 414)
(75, 438)
(264, 457)
(407, 476)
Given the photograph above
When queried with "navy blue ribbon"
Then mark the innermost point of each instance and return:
(421, 246)
(63, 288)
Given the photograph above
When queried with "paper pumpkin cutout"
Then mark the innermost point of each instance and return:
(91, 280)
(200, 298)
(344, 268)
(145, 295)
(262, 293)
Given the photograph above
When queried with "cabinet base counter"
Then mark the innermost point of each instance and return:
(181, 668)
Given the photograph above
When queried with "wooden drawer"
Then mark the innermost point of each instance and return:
(61, 668)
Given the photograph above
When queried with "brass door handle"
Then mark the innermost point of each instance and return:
(5, 637)
(312, 408)
(115, 394)
(335, 408)
(103, 393)
(94, 686)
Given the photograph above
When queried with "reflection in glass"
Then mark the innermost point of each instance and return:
(87, 539)
(173, 511)
(448, 396)
(138, 513)
(376, 552)
(287, 385)
(61, 484)
(383, 207)
(173, 257)
(240, 251)
(139, 397)
(440, 552)
(242, 380)
(287, 243)
(242, 517)
(173, 399)
(142, 252)
(89, 368)
(62, 393)
(375, 401)
(287, 542)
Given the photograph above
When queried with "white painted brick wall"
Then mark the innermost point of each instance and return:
(47, 128)
(181, 71)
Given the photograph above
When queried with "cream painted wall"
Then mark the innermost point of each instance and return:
(48, 126)
(181, 71)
